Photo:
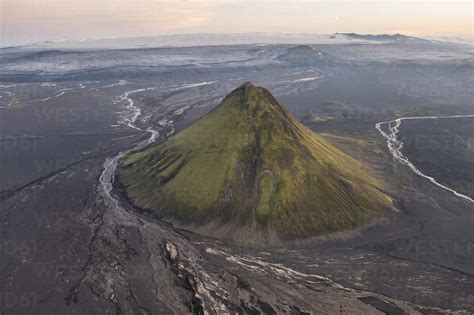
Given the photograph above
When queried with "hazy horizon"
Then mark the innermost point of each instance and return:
(28, 21)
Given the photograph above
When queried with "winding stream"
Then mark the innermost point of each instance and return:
(395, 147)
(132, 114)
(110, 165)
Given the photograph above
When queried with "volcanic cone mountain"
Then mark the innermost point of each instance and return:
(250, 172)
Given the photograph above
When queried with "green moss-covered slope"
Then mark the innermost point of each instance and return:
(251, 165)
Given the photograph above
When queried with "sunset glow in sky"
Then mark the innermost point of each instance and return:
(26, 21)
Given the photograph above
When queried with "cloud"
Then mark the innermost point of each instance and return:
(34, 20)
(54, 19)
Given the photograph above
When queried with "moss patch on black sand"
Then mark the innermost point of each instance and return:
(250, 165)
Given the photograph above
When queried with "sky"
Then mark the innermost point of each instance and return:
(28, 21)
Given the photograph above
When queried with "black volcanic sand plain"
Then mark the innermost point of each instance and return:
(443, 148)
(68, 248)
(39, 137)
(359, 263)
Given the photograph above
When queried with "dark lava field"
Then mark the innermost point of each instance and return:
(71, 244)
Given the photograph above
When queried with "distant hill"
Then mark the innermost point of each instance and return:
(192, 40)
(380, 37)
(250, 172)
(302, 55)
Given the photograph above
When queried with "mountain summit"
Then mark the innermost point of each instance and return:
(249, 171)
(303, 55)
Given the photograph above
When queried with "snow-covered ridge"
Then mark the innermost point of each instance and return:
(193, 40)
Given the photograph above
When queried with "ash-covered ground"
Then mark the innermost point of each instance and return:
(71, 245)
